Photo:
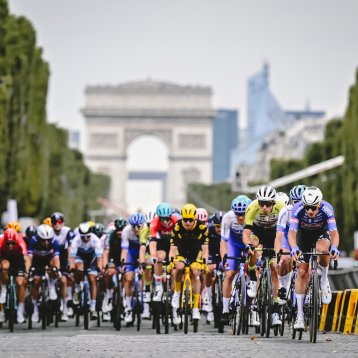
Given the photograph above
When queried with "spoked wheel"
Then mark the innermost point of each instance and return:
(167, 312)
(156, 316)
(242, 311)
(262, 307)
(313, 322)
(138, 309)
(195, 325)
(12, 308)
(282, 314)
(186, 307)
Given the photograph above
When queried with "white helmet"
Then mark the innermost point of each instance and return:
(202, 214)
(282, 197)
(312, 196)
(149, 216)
(84, 229)
(45, 232)
(266, 193)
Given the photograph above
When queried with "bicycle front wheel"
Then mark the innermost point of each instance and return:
(269, 302)
(12, 307)
(186, 307)
(117, 309)
(85, 307)
(314, 308)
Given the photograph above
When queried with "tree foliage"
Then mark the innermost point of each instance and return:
(37, 167)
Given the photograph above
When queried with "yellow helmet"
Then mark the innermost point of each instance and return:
(91, 223)
(14, 225)
(188, 211)
(47, 221)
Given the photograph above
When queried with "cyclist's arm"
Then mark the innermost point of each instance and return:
(223, 248)
(142, 253)
(292, 238)
(56, 262)
(205, 250)
(153, 247)
(334, 236)
(246, 236)
(124, 255)
(105, 257)
(28, 262)
(278, 241)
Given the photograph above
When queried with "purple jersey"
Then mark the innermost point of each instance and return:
(323, 220)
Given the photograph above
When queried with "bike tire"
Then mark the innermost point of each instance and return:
(138, 309)
(12, 307)
(282, 313)
(262, 307)
(186, 307)
(43, 305)
(117, 317)
(195, 325)
(314, 308)
(269, 301)
(167, 312)
(85, 307)
(156, 314)
(242, 299)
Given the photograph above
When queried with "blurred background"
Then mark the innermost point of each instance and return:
(109, 107)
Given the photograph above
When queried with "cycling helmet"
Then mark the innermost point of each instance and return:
(217, 217)
(98, 230)
(164, 210)
(30, 231)
(296, 192)
(84, 229)
(57, 217)
(91, 223)
(149, 216)
(136, 219)
(282, 197)
(47, 221)
(266, 193)
(312, 196)
(239, 204)
(188, 211)
(120, 223)
(202, 214)
(45, 232)
(14, 225)
(10, 235)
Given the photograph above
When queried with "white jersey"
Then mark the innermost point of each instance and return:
(129, 239)
(63, 238)
(93, 246)
(284, 218)
(231, 230)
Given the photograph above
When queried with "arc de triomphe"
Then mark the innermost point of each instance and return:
(180, 115)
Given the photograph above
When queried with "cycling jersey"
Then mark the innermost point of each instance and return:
(131, 241)
(283, 224)
(82, 249)
(231, 233)
(113, 244)
(214, 245)
(255, 216)
(38, 250)
(14, 255)
(158, 231)
(64, 238)
(189, 242)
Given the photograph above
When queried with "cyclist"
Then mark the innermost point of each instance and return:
(189, 241)
(112, 261)
(13, 257)
(261, 219)
(64, 236)
(312, 225)
(29, 233)
(214, 226)
(43, 253)
(281, 242)
(86, 258)
(232, 245)
(134, 241)
(160, 233)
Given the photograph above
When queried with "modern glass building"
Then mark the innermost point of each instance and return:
(225, 141)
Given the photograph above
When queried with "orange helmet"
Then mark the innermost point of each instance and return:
(10, 235)
(47, 221)
(14, 225)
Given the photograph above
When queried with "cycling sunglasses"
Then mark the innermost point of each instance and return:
(10, 243)
(188, 220)
(86, 236)
(58, 221)
(312, 207)
(136, 226)
(167, 218)
(268, 204)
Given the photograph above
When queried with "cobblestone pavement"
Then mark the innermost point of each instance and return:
(70, 341)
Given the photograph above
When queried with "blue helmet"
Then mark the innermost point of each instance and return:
(296, 192)
(239, 204)
(164, 210)
(136, 219)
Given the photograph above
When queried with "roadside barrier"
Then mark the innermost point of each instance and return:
(341, 315)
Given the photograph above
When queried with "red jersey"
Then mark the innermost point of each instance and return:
(157, 230)
(19, 249)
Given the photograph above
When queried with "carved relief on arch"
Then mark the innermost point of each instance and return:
(164, 134)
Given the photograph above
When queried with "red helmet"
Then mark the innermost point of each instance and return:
(10, 235)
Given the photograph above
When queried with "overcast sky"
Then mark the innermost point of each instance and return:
(311, 46)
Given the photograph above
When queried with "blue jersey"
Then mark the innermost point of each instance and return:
(38, 250)
(323, 221)
(231, 230)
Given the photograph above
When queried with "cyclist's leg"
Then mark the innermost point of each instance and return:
(284, 271)
(177, 275)
(322, 246)
(5, 265)
(251, 265)
(195, 271)
(52, 280)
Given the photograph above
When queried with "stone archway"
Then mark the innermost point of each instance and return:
(180, 115)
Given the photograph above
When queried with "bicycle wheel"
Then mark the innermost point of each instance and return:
(43, 305)
(156, 315)
(262, 307)
(314, 308)
(186, 306)
(138, 308)
(269, 302)
(85, 304)
(242, 299)
(117, 314)
(167, 312)
(283, 316)
(12, 306)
